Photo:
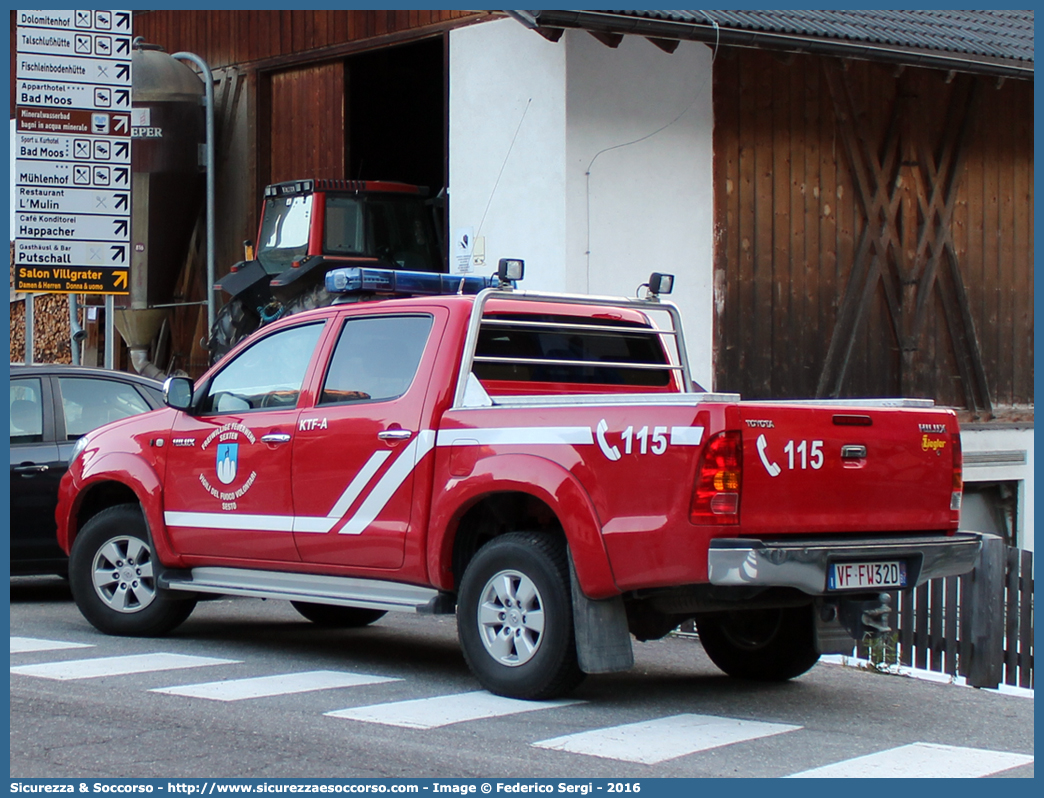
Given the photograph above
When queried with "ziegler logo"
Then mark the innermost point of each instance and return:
(932, 444)
(937, 429)
(760, 423)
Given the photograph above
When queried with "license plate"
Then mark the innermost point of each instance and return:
(874, 575)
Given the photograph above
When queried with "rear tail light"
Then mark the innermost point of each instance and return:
(716, 497)
(958, 472)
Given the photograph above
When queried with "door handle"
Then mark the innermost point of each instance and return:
(30, 469)
(276, 437)
(395, 434)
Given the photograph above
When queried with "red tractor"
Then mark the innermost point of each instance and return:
(311, 226)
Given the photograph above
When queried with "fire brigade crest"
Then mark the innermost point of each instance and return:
(226, 464)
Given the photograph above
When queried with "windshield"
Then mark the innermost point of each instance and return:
(284, 232)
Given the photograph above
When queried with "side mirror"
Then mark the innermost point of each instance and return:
(177, 392)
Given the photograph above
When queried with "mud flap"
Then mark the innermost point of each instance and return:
(603, 642)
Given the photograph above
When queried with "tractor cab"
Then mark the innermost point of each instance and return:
(311, 226)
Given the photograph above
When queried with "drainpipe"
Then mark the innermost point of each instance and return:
(77, 335)
(208, 80)
(139, 358)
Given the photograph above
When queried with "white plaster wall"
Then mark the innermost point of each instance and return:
(507, 84)
(638, 119)
(639, 164)
(1005, 439)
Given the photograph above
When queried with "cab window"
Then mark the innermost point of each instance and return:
(267, 375)
(376, 358)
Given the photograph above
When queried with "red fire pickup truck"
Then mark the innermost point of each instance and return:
(542, 465)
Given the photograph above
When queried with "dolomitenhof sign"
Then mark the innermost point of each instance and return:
(73, 151)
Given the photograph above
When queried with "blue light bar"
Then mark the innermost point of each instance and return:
(357, 280)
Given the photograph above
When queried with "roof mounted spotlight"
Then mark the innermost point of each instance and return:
(659, 284)
(509, 271)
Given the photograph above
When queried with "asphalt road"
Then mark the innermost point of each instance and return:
(681, 716)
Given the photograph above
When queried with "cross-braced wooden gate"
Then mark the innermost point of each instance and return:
(873, 232)
(905, 258)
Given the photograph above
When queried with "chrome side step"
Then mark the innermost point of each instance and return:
(339, 590)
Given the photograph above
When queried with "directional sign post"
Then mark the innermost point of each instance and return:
(73, 151)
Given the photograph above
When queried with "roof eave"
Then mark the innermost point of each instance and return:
(602, 22)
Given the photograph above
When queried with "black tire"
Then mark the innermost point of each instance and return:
(317, 297)
(128, 602)
(234, 322)
(764, 645)
(334, 617)
(505, 584)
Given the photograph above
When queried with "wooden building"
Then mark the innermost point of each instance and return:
(846, 196)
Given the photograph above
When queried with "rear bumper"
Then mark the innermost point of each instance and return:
(803, 563)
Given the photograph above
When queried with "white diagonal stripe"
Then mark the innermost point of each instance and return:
(653, 741)
(430, 713)
(23, 645)
(353, 490)
(267, 686)
(386, 486)
(504, 436)
(117, 666)
(351, 493)
(920, 761)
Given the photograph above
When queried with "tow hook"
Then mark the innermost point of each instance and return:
(841, 622)
(877, 619)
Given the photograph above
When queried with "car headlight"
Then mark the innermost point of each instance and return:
(81, 444)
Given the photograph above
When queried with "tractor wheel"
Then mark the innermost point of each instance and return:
(234, 322)
(317, 297)
(770, 645)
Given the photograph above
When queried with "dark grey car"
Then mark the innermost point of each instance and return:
(50, 407)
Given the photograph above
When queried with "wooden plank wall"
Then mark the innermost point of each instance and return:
(791, 230)
(312, 96)
(225, 38)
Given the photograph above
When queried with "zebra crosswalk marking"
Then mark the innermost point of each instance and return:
(653, 741)
(920, 760)
(117, 666)
(431, 713)
(26, 645)
(268, 686)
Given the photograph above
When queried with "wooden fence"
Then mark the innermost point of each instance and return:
(979, 625)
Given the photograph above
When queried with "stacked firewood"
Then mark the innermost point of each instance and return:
(50, 322)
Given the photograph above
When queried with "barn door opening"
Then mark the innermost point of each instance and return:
(376, 115)
(396, 114)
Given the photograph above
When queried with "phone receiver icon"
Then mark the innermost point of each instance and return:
(612, 452)
(771, 467)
